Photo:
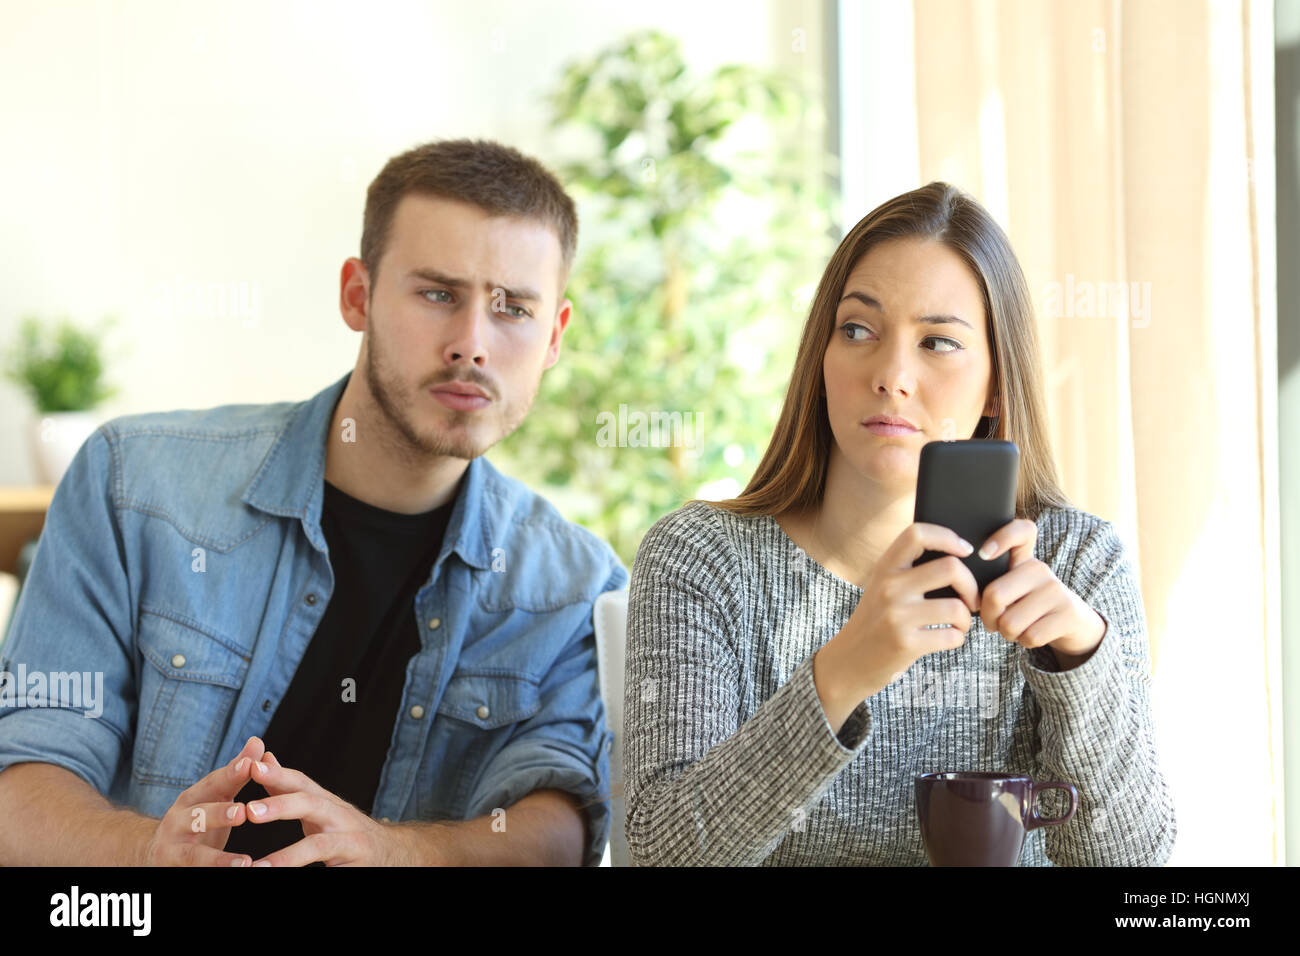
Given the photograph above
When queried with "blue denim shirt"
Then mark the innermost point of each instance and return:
(182, 559)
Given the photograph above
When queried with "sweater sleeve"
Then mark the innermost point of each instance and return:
(702, 789)
(1096, 728)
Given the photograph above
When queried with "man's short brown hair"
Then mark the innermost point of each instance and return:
(499, 180)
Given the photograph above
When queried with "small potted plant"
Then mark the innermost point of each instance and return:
(61, 369)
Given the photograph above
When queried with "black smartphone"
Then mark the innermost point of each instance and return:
(970, 487)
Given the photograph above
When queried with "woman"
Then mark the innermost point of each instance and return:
(786, 677)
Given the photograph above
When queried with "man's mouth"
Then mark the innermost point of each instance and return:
(461, 396)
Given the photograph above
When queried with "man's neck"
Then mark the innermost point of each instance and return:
(375, 467)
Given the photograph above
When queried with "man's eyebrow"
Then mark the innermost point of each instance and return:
(928, 319)
(433, 275)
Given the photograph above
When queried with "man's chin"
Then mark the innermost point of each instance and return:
(445, 449)
(463, 445)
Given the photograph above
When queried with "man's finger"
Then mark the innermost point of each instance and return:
(319, 847)
(297, 805)
(277, 779)
(226, 781)
(213, 816)
(200, 854)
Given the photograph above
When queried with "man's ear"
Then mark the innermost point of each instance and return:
(354, 294)
(562, 316)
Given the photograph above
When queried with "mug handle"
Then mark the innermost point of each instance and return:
(1035, 821)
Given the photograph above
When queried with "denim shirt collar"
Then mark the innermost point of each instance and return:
(291, 483)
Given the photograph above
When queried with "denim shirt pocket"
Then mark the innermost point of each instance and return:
(476, 717)
(188, 685)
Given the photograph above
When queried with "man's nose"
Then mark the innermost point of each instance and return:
(469, 331)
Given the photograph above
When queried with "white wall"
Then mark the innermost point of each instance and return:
(200, 169)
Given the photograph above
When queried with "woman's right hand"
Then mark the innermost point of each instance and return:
(886, 633)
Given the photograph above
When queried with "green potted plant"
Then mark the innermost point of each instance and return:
(706, 223)
(61, 368)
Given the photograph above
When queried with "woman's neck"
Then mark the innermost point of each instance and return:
(856, 521)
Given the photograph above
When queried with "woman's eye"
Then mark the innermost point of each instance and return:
(956, 346)
(851, 328)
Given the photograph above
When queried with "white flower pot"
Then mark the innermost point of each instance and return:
(55, 438)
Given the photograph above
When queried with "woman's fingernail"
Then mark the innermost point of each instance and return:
(261, 863)
(257, 809)
(261, 766)
(990, 548)
(241, 765)
(966, 545)
(232, 812)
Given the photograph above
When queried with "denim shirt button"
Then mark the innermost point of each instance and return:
(178, 660)
(434, 623)
(311, 598)
(266, 704)
(482, 711)
(417, 711)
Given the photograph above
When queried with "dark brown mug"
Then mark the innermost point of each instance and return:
(980, 819)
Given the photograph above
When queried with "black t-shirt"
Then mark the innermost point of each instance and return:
(368, 633)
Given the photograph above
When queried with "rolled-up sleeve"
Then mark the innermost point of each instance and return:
(72, 627)
(1097, 729)
(565, 745)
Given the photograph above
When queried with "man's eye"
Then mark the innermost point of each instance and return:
(518, 311)
(436, 292)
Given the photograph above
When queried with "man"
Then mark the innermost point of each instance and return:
(264, 588)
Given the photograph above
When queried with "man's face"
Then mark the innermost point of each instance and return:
(463, 299)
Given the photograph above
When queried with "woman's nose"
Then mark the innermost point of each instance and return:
(894, 377)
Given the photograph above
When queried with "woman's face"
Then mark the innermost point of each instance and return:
(910, 340)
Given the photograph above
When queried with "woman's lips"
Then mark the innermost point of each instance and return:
(878, 428)
(460, 401)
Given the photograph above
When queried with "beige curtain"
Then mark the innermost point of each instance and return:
(1127, 149)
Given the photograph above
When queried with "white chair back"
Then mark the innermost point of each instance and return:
(610, 613)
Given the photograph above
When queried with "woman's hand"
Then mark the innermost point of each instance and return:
(894, 623)
(1029, 605)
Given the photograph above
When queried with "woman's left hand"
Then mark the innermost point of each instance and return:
(1029, 605)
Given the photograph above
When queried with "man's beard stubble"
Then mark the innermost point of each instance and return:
(410, 442)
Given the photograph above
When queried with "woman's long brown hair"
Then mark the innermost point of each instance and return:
(792, 474)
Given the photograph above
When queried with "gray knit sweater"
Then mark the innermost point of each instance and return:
(729, 758)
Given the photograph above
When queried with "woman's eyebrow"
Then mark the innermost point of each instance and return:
(927, 319)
